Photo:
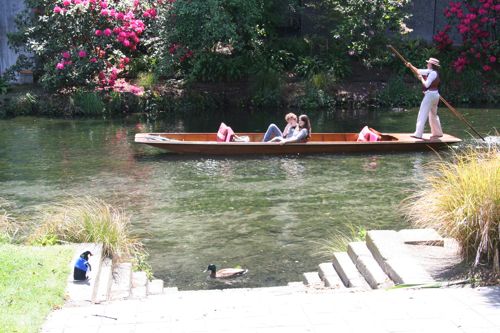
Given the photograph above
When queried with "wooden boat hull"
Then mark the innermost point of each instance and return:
(321, 143)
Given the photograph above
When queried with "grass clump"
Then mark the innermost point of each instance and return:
(87, 103)
(32, 283)
(462, 200)
(339, 241)
(9, 228)
(89, 220)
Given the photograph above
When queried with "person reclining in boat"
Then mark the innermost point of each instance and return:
(273, 131)
(301, 133)
(226, 134)
(368, 134)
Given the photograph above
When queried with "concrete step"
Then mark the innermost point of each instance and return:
(170, 290)
(139, 279)
(139, 285)
(155, 287)
(329, 276)
(388, 250)
(312, 279)
(426, 236)
(368, 266)
(348, 272)
(139, 292)
(104, 281)
(80, 292)
(122, 281)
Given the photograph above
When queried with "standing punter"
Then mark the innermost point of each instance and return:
(428, 108)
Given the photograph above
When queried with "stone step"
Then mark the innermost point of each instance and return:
(348, 272)
(79, 292)
(104, 281)
(426, 236)
(329, 276)
(139, 292)
(139, 279)
(170, 290)
(368, 266)
(139, 285)
(312, 279)
(122, 281)
(155, 287)
(388, 250)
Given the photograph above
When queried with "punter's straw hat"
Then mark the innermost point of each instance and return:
(433, 61)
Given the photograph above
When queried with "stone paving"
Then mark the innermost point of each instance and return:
(284, 309)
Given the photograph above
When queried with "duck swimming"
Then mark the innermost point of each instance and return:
(225, 273)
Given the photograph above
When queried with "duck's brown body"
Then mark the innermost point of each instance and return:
(225, 273)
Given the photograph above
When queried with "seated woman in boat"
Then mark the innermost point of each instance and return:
(301, 133)
(273, 131)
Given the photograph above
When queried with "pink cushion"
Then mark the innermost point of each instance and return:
(367, 134)
(225, 133)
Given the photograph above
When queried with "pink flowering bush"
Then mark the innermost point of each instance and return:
(476, 22)
(84, 43)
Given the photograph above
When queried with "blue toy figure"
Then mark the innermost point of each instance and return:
(82, 266)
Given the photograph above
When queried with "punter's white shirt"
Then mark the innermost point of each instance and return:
(431, 76)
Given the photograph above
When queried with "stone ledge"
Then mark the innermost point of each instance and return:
(368, 266)
(348, 272)
(388, 250)
(426, 236)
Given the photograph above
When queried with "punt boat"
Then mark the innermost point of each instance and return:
(320, 143)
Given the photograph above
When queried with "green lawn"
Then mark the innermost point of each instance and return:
(32, 283)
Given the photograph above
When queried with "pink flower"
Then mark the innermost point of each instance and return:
(66, 55)
(486, 68)
(82, 54)
(104, 4)
(98, 32)
(104, 12)
(60, 66)
(66, 3)
(57, 9)
(120, 16)
(93, 60)
(108, 32)
(493, 59)
(77, 2)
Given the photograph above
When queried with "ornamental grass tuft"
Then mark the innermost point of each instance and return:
(461, 199)
(89, 220)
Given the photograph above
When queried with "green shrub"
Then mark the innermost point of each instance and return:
(23, 105)
(4, 86)
(146, 80)
(87, 103)
(77, 45)
(399, 93)
(88, 220)
(462, 200)
(267, 88)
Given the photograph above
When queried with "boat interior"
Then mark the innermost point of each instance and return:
(257, 137)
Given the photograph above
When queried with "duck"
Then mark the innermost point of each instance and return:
(225, 273)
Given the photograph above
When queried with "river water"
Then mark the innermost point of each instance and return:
(271, 215)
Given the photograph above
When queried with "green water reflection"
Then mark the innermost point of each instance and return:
(264, 213)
